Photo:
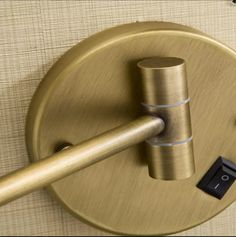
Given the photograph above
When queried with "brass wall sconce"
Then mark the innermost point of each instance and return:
(136, 79)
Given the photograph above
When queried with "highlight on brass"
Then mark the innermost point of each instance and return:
(165, 95)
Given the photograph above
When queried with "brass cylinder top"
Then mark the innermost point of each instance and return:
(164, 80)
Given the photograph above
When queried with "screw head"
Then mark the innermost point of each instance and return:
(63, 146)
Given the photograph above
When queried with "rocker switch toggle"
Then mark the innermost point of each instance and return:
(218, 178)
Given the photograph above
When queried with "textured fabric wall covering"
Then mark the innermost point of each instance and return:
(33, 35)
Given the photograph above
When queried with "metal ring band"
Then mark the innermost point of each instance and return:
(167, 106)
(169, 144)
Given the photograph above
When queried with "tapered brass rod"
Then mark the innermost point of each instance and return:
(66, 162)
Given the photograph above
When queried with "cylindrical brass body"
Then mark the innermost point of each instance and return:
(77, 157)
(164, 81)
(165, 95)
(171, 162)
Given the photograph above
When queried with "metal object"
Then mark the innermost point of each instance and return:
(77, 157)
(165, 89)
(164, 82)
(94, 88)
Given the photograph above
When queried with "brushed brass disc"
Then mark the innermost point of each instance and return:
(94, 88)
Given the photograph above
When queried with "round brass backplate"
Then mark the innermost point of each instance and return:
(94, 87)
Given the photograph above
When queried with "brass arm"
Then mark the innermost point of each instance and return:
(68, 161)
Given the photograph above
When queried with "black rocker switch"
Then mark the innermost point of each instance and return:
(218, 178)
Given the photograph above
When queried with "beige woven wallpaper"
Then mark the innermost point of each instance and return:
(33, 35)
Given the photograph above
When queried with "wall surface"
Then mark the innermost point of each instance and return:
(33, 35)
